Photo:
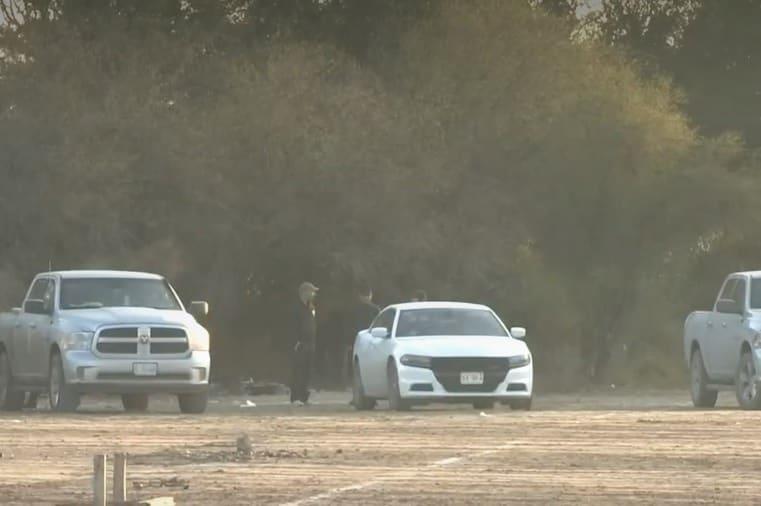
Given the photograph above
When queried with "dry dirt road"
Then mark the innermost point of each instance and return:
(615, 448)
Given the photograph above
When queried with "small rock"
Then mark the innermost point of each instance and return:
(243, 444)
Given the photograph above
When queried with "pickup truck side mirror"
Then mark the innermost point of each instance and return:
(34, 306)
(729, 306)
(199, 309)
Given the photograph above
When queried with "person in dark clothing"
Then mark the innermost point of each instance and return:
(419, 296)
(303, 345)
(362, 315)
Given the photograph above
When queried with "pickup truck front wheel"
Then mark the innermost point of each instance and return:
(10, 400)
(748, 394)
(63, 398)
(193, 403)
(702, 397)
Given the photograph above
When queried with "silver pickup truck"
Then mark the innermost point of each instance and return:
(117, 332)
(723, 346)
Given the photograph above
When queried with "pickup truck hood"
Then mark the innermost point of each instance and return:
(90, 319)
(461, 346)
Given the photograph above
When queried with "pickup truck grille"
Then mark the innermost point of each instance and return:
(447, 371)
(125, 341)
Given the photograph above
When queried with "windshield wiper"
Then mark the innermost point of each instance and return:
(86, 305)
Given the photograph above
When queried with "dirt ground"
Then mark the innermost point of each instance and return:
(611, 448)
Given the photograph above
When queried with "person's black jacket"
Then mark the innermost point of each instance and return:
(363, 314)
(305, 327)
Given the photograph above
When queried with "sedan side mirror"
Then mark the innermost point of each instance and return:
(379, 332)
(199, 309)
(518, 332)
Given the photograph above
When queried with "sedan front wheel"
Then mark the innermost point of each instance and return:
(395, 400)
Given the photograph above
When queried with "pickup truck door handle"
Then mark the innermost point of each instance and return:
(709, 324)
(724, 324)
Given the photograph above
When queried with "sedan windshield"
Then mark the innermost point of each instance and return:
(92, 293)
(448, 322)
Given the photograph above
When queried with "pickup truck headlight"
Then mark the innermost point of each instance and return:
(416, 361)
(199, 341)
(519, 361)
(76, 341)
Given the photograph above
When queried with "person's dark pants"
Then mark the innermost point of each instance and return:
(347, 365)
(301, 375)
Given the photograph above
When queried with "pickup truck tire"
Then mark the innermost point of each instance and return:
(702, 397)
(63, 398)
(359, 400)
(748, 393)
(193, 403)
(10, 400)
(135, 403)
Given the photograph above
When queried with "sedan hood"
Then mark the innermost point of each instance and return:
(461, 346)
(94, 318)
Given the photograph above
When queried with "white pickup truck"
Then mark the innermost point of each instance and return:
(723, 346)
(118, 332)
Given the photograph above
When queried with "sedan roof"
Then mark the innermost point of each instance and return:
(438, 305)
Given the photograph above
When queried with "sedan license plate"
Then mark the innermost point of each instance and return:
(471, 378)
(145, 369)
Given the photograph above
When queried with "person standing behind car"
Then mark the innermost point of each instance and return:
(362, 315)
(304, 340)
(419, 296)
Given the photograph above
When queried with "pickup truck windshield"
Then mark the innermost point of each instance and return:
(93, 293)
(448, 322)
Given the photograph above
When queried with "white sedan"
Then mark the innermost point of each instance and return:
(424, 352)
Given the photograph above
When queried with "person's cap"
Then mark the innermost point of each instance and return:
(307, 287)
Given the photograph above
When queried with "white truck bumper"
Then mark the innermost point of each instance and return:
(89, 373)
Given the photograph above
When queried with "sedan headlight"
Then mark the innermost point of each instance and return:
(77, 341)
(199, 341)
(416, 361)
(519, 361)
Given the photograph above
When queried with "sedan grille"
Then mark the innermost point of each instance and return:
(448, 369)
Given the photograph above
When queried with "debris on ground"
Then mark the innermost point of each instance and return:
(252, 387)
(243, 444)
(173, 482)
(248, 404)
(242, 452)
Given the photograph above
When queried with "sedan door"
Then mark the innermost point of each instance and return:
(378, 350)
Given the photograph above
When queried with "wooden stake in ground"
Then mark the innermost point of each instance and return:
(99, 480)
(120, 477)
